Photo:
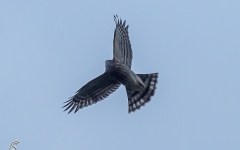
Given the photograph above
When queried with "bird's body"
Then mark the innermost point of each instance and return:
(139, 87)
(124, 75)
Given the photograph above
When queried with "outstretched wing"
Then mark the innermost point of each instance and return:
(121, 44)
(94, 91)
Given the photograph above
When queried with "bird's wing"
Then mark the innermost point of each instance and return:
(94, 91)
(121, 44)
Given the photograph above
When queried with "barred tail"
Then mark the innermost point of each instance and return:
(136, 99)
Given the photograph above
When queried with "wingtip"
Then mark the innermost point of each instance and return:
(124, 23)
(115, 18)
(119, 20)
(66, 104)
(127, 27)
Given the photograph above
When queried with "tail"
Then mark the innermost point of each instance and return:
(136, 99)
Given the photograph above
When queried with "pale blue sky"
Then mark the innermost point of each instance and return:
(50, 49)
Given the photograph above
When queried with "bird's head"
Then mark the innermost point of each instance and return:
(109, 64)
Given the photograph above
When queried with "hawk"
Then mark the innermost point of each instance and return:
(139, 87)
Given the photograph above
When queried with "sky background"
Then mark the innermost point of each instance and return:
(50, 49)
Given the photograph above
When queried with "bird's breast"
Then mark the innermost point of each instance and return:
(124, 75)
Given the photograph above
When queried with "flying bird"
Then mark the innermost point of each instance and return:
(139, 87)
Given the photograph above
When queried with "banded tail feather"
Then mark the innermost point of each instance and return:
(136, 99)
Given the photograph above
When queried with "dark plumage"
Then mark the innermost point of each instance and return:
(139, 87)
